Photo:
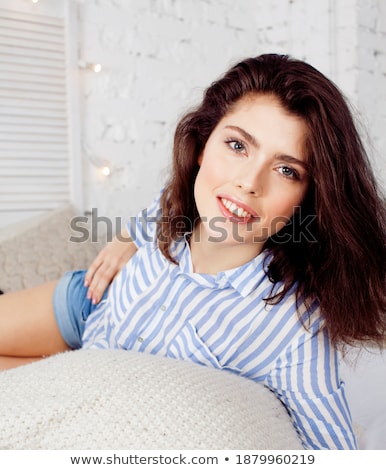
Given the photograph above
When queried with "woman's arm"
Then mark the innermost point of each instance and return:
(113, 257)
(108, 264)
(305, 378)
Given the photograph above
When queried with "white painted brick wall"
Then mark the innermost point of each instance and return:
(372, 77)
(158, 55)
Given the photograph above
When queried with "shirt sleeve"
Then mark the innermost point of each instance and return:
(305, 378)
(143, 227)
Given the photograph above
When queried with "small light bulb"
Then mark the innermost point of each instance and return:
(97, 68)
(35, 1)
(106, 171)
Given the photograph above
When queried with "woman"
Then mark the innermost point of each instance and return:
(251, 260)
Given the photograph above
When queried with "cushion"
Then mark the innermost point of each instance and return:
(39, 249)
(114, 399)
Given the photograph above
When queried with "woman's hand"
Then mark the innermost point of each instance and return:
(111, 259)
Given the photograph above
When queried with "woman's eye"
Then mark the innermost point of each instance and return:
(236, 145)
(289, 172)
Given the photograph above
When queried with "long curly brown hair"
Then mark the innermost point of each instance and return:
(334, 247)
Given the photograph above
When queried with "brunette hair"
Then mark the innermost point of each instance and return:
(338, 256)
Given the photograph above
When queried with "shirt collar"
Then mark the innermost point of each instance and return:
(244, 279)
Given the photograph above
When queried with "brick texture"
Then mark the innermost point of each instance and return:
(158, 56)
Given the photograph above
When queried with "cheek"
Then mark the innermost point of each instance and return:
(207, 174)
(279, 215)
(200, 187)
(283, 206)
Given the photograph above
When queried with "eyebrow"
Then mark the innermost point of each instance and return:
(247, 136)
(252, 141)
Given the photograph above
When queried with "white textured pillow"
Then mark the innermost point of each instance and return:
(39, 250)
(123, 400)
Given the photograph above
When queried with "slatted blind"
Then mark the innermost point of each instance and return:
(34, 130)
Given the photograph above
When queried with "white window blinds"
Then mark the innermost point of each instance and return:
(34, 121)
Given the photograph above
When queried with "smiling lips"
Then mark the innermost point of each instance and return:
(235, 212)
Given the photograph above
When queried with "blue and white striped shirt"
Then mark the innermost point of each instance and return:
(222, 321)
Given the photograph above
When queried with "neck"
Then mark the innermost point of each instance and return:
(212, 257)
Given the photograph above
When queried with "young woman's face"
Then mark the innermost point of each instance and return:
(253, 173)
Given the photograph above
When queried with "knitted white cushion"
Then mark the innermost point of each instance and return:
(91, 399)
(39, 250)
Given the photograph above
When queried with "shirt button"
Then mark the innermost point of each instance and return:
(140, 339)
(163, 307)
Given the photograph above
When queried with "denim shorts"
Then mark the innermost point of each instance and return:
(72, 307)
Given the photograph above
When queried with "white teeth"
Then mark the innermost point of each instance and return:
(238, 211)
(233, 208)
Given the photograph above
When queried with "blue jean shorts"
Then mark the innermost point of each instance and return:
(72, 307)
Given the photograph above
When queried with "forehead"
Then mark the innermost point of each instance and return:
(264, 116)
(263, 100)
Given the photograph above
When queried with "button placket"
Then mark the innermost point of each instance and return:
(141, 339)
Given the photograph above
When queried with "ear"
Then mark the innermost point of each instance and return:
(200, 157)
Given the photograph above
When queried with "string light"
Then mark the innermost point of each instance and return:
(94, 67)
(35, 1)
(106, 171)
(102, 164)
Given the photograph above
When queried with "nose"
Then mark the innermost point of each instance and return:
(250, 179)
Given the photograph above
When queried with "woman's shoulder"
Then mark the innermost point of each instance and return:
(142, 228)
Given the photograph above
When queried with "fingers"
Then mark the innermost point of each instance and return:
(95, 279)
(101, 273)
(94, 266)
(100, 281)
(107, 265)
